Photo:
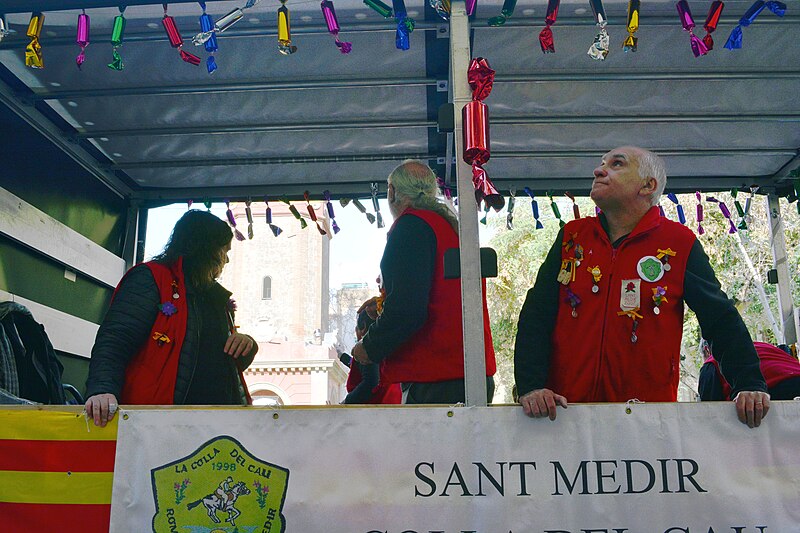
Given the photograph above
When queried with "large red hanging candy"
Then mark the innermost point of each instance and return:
(475, 129)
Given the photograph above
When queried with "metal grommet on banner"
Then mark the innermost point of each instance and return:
(450, 414)
(630, 402)
(275, 416)
(124, 416)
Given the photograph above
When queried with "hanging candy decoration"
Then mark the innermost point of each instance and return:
(374, 189)
(534, 208)
(698, 47)
(275, 229)
(735, 38)
(359, 206)
(442, 8)
(333, 26)
(739, 209)
(285, 45)
(556, 212)
(599, 48)
(511, 201)
(207, 204)
(175, 39)
(33, 52)
(405, 25)
(475, 131)
(189, 204)
(546, 35)
(329, 205)
(207, 25)
(470, 5)
(712, 19)
(4, 29)
(681, 215)
(82, 37)
(117, 35)
(313, 214)
(249, 213)
(661, 211)
(293, 210)
(505, 13)
(445, 189)
(576, 212)
(379, 7)
(632, 25)
(725, 212)
(232, 221)
(748, 202)
(222, 24)
(700, 229)
(485, 214)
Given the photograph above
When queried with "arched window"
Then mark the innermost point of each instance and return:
(266, 290)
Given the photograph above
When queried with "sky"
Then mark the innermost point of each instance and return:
(355, 251)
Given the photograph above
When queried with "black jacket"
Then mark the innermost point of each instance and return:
(127, 326)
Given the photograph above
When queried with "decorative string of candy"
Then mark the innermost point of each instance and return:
(599, 48)
(333, 26)
(207, 204)
(313, 214)
(511, 201)
(379, 7)
(268, 215)
(698, 47)
(735, 38)
(556, 212)
(661, 211)
(82, 37)
(4, 29)
(189, 204)
(546, 35)
(712, 19)
(725, 212)
(293, 210)
(232, 221)
(405, 25)
(576, 212)
(505, 13)
(446, 191)
(485, 213)
(360, 207)
(33, 52)
(632, 25)
(470, 5)
(681, 215)
(285, 45)
(248, 211)
(117, 36)
(210, 44)
(534, 208)
(209, 28)
(475, 132)
(739, 209)
(442, 8)
(700, 229)
(375, 205)
(175, 39)
(329, 206)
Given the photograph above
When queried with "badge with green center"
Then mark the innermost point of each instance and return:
(650, 268)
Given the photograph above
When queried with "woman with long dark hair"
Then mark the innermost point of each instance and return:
(168, 337)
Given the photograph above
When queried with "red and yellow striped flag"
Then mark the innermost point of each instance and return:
(56, 472)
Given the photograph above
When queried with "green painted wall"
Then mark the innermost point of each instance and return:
(75, 371)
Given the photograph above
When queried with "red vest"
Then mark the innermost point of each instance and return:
(776, 365)
(151, 374)
(384, 393)
(436, 351)
(593, 358)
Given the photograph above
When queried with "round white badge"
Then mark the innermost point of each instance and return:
(650, 268)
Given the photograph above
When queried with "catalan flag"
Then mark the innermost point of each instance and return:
(56, 471)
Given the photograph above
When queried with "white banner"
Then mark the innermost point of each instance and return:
(660, 468)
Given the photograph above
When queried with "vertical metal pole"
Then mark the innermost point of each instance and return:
(471, 295)
(129, 245)
(784, 281)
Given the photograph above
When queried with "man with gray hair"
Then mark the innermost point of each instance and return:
(604, 320)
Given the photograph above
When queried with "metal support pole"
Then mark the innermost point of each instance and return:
(471, 294)
(778, 241)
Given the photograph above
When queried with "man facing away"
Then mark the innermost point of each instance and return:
(604, 319)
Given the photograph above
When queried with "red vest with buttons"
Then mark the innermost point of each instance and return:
(436, 351)
(594, 358)
(152, 372)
